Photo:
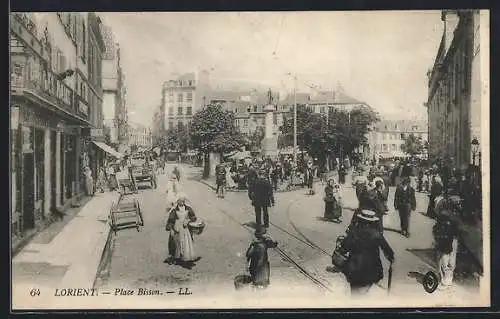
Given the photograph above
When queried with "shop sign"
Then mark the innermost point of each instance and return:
(31, 118)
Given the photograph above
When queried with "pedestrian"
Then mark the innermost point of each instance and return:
(251, 175)
(101, 180)
(89, 181)
(261, 196)
(333, 206)
(445, 233)
(309, 173)
(363, 241)
(436, 191)
(405, 203)
(177, 173)
(220, 180)
(342, 174)
(180, 242)
(111, 177)
(258, 259)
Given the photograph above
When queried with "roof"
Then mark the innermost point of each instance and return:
(187, 77)
(322, 97)
(301, 98)
(228, 96)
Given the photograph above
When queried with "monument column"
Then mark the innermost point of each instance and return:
(270, 141)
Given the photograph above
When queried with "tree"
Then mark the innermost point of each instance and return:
(349, 129)
(413, 145)
(311, 132)
(213, 130)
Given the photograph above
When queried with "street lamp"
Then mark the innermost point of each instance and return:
(475, 150)
(294, 116)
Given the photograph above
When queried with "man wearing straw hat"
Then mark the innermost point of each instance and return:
(363, 241)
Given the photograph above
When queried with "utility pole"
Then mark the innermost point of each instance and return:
(295, 118)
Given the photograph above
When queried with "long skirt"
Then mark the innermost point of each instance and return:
(181, 245)
(260, 275)
(332, 210)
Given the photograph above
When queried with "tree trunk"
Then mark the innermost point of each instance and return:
(206, 165)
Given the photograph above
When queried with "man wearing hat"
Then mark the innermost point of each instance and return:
(364, 266)
(405, 202)
(261, 195)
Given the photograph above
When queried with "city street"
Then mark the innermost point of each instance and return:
(137, 258)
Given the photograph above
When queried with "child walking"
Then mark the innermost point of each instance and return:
(259, 268)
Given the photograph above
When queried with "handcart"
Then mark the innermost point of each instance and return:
(126, 214)
(127, 186)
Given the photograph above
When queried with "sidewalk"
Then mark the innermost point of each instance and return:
(72, 257)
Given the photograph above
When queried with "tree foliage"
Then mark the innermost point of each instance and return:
(413, 145)
(213, 130)
(344, 131)
(177, 139)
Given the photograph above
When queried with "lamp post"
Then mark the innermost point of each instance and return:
(475, 151)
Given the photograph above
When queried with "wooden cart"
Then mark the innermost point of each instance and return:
(126, 214)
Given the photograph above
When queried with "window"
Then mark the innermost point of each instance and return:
(179, 111)
(84, 40)
(396, 126)
(384, 147)
(190, 83)
(171, 110)
(179, 97)
(255, 108)
(189, 110)
(245, 122)
(190, 97)
(393, 147)
(402, 136)
(180, 124)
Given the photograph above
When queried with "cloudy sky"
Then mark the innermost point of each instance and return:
(378, 57)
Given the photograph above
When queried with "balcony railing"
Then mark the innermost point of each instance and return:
(31, 71)
(33, 75)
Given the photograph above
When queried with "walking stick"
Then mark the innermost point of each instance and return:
(389, 279)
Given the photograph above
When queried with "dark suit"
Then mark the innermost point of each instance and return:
(404, 203)
(261, 195)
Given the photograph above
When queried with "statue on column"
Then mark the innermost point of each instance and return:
(270, 97)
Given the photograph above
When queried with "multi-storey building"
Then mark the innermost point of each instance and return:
(388, 136)
(454, 101)
(183, 97)
(47, 118)
(140, 136)
(114, 91)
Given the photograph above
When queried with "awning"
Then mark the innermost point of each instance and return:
(108, 149)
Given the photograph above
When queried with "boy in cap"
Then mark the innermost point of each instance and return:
(257, 256)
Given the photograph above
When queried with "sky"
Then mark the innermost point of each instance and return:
(379, 57)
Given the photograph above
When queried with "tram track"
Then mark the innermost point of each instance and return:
(318, 281)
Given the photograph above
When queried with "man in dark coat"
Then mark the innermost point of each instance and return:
(364, 242)
(405, 202)
(261, 195)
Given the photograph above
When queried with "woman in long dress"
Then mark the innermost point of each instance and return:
(180, 242)
(172, 192)
(229, 179)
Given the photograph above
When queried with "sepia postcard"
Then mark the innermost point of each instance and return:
(244, 160)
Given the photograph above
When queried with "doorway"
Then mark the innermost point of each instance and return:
(28, 191)
(53, 168)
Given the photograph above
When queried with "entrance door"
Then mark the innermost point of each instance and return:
(28, 191)
(53, 167)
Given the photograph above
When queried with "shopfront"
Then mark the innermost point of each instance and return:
(42, 165)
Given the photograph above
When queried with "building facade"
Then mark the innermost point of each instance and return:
(454, 100)
(388, 136)
(140, 136)
(183, 97)
(48, 121)
(114, 92)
